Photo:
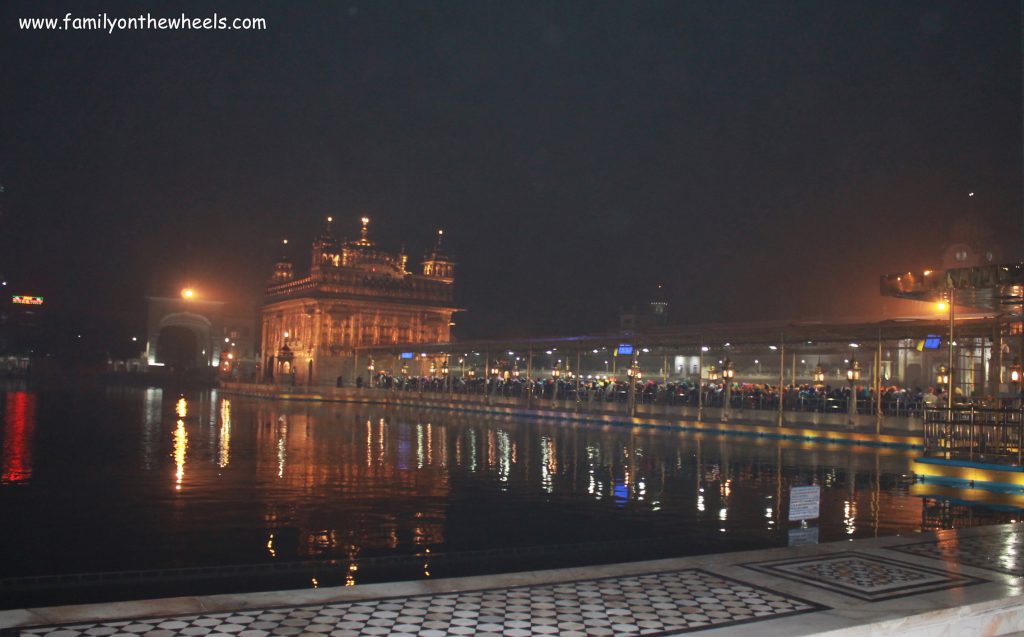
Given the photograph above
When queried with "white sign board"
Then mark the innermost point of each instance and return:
(803, 537)
(804, 503)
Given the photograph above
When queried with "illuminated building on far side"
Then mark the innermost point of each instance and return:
(355, 294)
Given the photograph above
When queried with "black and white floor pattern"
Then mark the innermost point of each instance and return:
(664, 603)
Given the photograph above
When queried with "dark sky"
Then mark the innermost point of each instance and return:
(762, 159)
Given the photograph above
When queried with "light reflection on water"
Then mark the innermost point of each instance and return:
(86, 477)
(18, 433)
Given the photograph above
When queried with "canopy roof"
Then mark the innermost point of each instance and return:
(999, 288)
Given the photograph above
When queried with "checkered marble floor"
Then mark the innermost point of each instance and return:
(1003, 553)
(665, 603)
(864, 576)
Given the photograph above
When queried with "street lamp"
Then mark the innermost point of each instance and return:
(1016, 371)
(446, 372)
(942, 378)
(728, 373)
(819, 374)
(853, 375)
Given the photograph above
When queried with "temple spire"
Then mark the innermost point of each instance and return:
(283, 269)
(436, 263)
(365, 236)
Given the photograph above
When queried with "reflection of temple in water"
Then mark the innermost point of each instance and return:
(375, 462)
(364, 463)
(337, 484)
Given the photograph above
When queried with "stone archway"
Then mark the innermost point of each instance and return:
(182, 339)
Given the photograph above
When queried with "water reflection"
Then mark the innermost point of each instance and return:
(224, 455)
(152, 416)
(19, 429)
(275, 481)
(180, 442)
(282, 445)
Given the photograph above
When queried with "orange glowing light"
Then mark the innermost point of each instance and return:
(941, 306)
(188, 293)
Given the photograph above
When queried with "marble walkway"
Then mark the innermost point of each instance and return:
(955, 582)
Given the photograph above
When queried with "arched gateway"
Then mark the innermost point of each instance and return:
(200, 336)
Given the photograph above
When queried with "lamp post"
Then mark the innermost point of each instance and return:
(370, 368)
(853, 375)
(942, 379)
(819, 380)
(446, 372)
(635, 375)
(952, 351)
(1016, 373)
(713, 377)
(728, 373)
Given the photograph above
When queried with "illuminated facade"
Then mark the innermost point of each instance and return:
(354, 295)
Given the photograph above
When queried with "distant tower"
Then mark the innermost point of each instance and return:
(284, 270)
(659, 306)
(640, 317)
(437, 264)
(972, 240)
(325, 249)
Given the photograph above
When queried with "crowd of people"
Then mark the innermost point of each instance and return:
(802, 397)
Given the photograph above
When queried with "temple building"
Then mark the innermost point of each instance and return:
(355, 295)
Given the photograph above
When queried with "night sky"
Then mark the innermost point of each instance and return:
(762, 160)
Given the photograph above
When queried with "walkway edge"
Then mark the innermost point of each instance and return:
(805, 433)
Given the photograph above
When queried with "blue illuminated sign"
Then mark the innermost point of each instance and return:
(625, 350)
(408, 355)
